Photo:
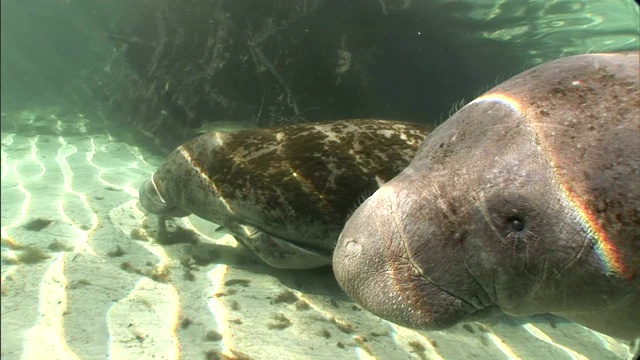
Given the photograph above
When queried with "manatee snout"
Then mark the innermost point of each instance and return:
(377, 266)
(153, 202)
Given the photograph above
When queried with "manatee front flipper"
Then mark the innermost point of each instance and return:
(620, 318)
(277, 252)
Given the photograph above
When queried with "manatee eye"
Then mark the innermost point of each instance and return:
(516, 223)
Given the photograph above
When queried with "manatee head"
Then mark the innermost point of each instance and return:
(181, 185)
(441, 241)
(523, 202)
(153, 202)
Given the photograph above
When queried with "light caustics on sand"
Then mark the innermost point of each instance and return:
(148, 315)
(34, 156)
(127, 187)
(46, 339)
(398, 332)
(144, 324)
(544, 337)
(218, 309)
(11, 167)
(502, 346)
(26, 172)
(83, 231)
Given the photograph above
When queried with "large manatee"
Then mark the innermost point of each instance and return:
(285, 193)
(525, 201)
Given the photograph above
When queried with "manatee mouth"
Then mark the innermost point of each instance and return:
(152, 201)
(396, 292)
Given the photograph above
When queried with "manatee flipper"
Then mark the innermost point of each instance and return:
(275, 251)
(610, 319)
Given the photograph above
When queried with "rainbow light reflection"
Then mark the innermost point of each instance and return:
(607, 253)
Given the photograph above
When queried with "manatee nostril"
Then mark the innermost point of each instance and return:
(352, 248)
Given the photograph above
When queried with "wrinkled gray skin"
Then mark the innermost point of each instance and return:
(508, 205)
(284, 193)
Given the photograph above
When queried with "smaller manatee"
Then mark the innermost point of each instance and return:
(284, 193)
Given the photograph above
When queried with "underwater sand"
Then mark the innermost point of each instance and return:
(84, 278)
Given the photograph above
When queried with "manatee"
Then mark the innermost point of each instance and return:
(286, 192)
(526, 201)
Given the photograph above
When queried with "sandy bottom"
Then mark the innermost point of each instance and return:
(84, 278)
